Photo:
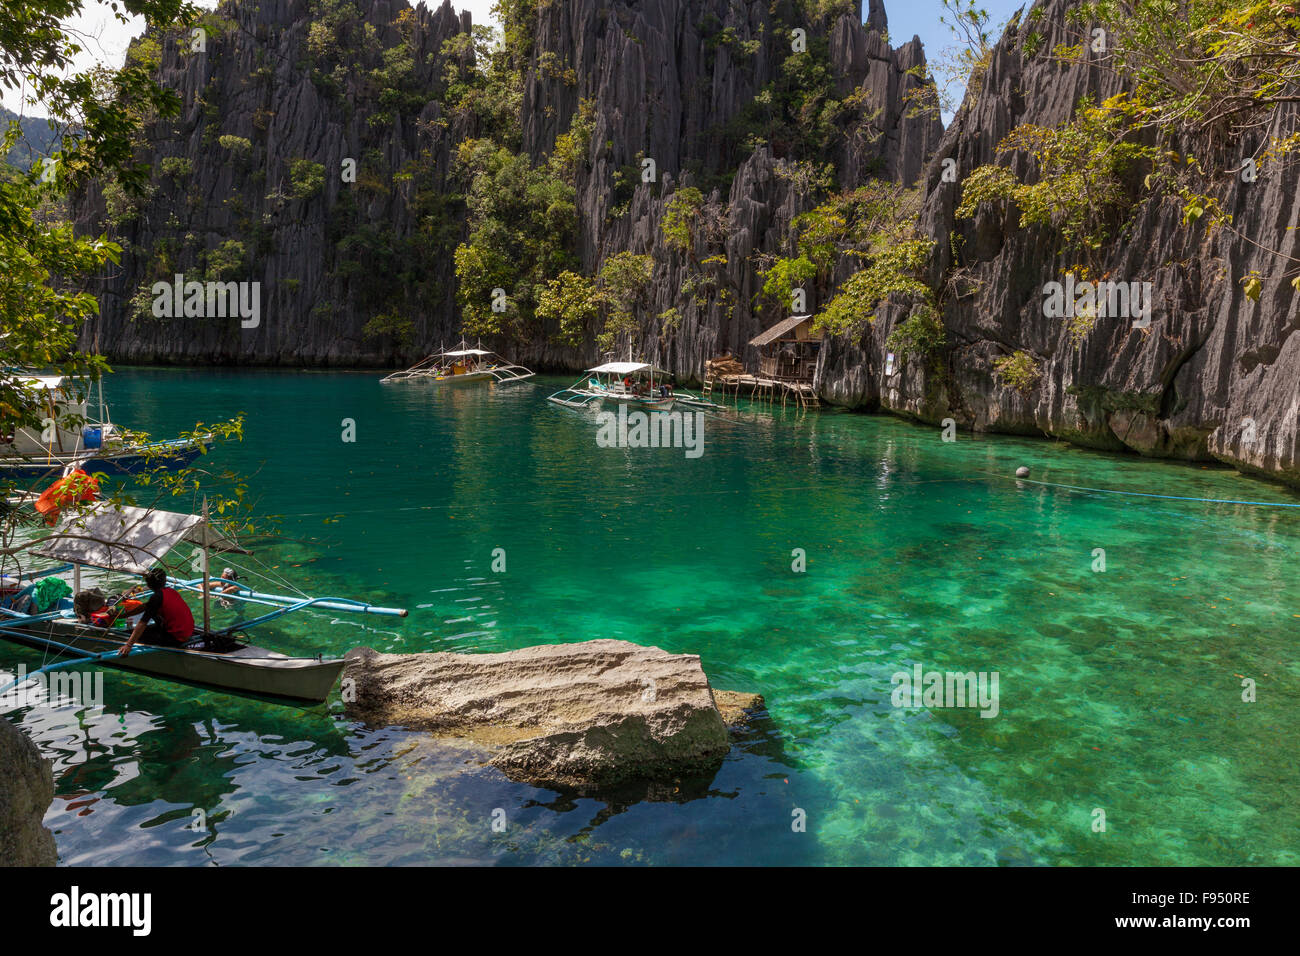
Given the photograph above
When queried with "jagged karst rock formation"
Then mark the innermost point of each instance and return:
(588, 715)
(663, 88)
(665, 79)
(26, 791)
(260, 105)
(1212, 361)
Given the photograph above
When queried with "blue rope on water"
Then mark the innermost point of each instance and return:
(1142, 494)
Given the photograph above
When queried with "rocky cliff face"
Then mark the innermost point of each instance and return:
(309, 157)
(670, 81)
(26, 790)
(277, 88)
(1216, 376)
(681, 83)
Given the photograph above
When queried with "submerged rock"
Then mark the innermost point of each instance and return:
(592, 714)
(26, 791)
(737, 706)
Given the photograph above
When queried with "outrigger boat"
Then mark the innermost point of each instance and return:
(130, 540)
(462, 365)
(627, 383)
(97, 447)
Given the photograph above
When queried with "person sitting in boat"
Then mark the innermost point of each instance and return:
(166, 620)
(86, 604)
(92, 607)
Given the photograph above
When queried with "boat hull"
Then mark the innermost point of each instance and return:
(466, 379)
(168, 455)
(247, 671)
(645, 404)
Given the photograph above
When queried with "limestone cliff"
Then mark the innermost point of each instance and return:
(281, 86)
(666, 80)
(314, 163)
(1212, 364)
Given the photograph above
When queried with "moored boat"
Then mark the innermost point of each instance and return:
(127, 460)
(636, 384)
(96, 445)
(126, 540)
(462, 366)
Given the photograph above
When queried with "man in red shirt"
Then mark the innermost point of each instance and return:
(166, 620)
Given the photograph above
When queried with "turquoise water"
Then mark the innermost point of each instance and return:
(1119, 691)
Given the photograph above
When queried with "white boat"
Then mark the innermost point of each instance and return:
(126, 540)
(637, 384)
(460, 366)
(95, 444)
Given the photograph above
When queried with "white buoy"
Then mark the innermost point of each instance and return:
(1022, 472)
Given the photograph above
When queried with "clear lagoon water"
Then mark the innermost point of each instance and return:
(1119, 691)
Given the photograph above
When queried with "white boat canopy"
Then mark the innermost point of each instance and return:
(620, 368)
(129, 540)
(47, 382)
(463, 352)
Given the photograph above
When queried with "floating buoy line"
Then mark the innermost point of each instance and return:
(346, 513)
(1145, 494)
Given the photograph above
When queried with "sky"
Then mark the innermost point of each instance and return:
(107, 40)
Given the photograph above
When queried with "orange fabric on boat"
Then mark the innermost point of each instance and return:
(76, 487)
(109, 616)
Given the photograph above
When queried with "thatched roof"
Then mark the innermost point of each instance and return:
(778, 330)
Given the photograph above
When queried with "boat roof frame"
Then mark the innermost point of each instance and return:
(625, 368)
(130, 540)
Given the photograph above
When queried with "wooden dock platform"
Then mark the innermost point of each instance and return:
(763, 389)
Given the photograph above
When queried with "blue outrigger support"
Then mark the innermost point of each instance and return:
(283, 604)
(81, 658)
(580, 399)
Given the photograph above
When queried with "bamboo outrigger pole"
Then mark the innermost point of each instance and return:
(207, 575)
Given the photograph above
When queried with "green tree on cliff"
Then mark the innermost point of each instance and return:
(1202, 79)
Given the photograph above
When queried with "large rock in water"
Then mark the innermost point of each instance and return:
(583, 715)
(26, 790)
